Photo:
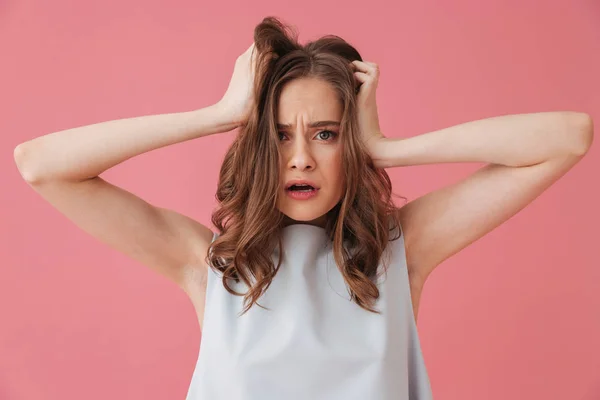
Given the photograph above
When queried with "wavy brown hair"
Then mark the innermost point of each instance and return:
(249, 181)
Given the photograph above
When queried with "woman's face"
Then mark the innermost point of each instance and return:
(313, 153)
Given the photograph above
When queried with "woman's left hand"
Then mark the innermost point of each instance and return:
(367, 74)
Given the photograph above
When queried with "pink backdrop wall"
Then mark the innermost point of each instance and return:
(516, 315)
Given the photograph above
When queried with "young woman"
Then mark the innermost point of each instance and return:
(306, 223)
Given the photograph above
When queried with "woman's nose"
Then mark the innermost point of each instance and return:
(300, 157)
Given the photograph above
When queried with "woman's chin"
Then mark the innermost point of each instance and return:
(303, 216)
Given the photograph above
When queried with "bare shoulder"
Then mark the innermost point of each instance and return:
(410, 235)
(195, 272)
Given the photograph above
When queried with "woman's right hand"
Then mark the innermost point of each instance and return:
(238, 100)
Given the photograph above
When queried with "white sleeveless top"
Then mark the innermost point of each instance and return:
(312, 343)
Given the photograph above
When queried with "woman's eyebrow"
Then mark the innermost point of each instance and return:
(316, 124)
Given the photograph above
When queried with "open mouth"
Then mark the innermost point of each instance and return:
(301, 188)
(301, 191)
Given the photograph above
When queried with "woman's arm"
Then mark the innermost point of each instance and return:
(513, 140)
(81, 153)
(63, 168)
(525, 155)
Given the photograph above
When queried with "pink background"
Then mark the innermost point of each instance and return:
(514, 316)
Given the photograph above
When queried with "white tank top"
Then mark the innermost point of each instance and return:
(313, 342)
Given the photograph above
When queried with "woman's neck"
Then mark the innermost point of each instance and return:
(320, 222)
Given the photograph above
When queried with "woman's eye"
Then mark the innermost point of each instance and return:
(330, 133)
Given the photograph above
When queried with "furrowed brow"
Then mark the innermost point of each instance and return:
(316, 124)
